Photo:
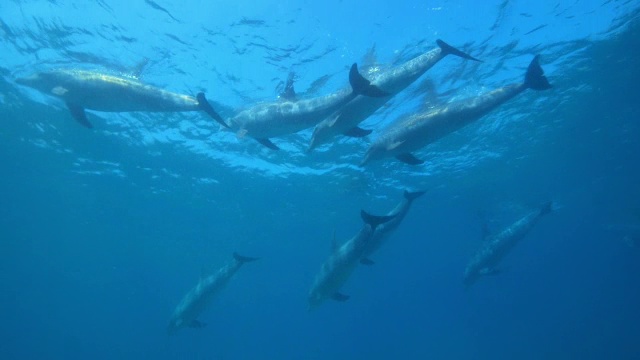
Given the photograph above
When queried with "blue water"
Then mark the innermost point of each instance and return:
(103, 231)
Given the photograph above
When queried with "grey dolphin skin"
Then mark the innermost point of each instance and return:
(267, 120)
(384, 230)
(496, 247)
(81, 89)
(198, 298)
(346, 119)
(408, 134)
(344, 259)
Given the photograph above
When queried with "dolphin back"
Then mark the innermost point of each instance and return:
(243, 259)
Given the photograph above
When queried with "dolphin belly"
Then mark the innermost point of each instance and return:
(103, 94)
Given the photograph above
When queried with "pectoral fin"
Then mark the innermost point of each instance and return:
(340, 297)
(266, 142)
(366, 261)
(204, 105)
(408, 158)
(357, 132)
(333, 120)
(78, 113)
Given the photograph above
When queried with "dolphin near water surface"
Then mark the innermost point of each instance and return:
(82, 89)
(408, 134)
(346, 119)
(287, 116)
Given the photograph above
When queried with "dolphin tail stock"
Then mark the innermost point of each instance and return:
(546, 208)
(204, 105)
(375, 220)
(362, 86)
(410, 196)
(448, 49)
(243, 259)
(534, 78)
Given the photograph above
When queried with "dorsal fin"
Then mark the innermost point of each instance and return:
(137, 70)
(289, 93)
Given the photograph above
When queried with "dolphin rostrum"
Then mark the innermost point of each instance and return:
(411, 133)
(346, 119)
(496, 247)
(198, 298)
(343, 260)
(82, 89)
(289, 116)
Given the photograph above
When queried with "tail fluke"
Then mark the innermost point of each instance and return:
(204, 105)
(448, 49)
(410, 196)
(243, 259)
(374, 220)
(362, 86)
(534, 78)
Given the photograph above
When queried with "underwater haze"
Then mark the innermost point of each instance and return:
(103, 231)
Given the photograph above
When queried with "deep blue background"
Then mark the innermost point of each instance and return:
(102, 232)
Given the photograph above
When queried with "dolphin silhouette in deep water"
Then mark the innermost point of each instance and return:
(495, 248)
(81, 89)
(411, 133)
(343, 260)
(288, 116)
(346, 119)
(198, 298)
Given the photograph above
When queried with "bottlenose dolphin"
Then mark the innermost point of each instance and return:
(496, 247)
(198, 298)
(289, 116)
(384, 230)
(414, 132)
(344, 259)
(346, 119)
(81, 89)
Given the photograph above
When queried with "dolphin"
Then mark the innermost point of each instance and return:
(198, 298)
(288, 116)
(346, 119)
(344, 259)
(496, 247)
(82, 89)
(411, 133)
(384, 230)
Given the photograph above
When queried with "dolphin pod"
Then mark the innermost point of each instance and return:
(267, 120)
(345, 121)
(333, 114)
